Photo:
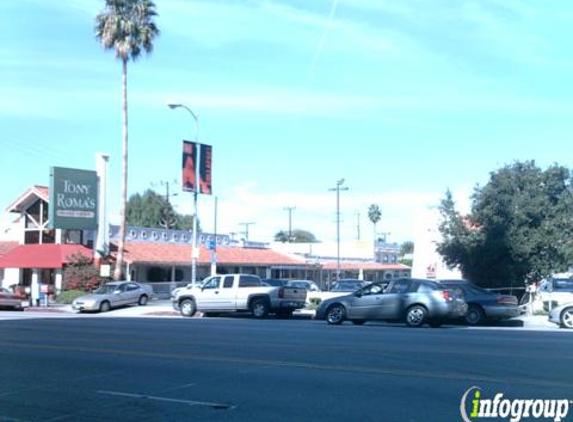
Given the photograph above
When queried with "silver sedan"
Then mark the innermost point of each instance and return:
(113, 295)
(415, 301)
(562, 315)
(9, 299)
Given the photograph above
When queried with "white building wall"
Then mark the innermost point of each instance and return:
(427, 263)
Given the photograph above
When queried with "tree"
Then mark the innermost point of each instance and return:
(298, 236)
(154, 211)
(127, 27)
(519, 229)
(375, 215)
(80, 274)
(407, 248)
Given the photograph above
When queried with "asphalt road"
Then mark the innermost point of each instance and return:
(240, 369)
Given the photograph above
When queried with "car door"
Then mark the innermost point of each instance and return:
(227, 293)
(132, 293)
(392, 301)
(366, 303)
(118, 296)
(209, 296)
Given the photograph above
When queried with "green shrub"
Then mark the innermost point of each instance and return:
(313, 303)
(68, 296)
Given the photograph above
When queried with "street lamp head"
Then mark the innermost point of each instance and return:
(172, 106)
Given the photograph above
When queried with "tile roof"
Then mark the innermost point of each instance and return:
(142, 253)
(49, 255)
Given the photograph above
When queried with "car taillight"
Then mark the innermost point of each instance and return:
(447, 296)
(281, 293)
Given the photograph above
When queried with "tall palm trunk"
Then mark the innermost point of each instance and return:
(121, 243)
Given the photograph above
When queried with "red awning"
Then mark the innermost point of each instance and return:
(42, 256)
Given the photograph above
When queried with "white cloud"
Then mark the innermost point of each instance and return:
(316, 212)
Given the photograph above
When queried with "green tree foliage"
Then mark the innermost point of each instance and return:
(407, 248)
(374, 215)
(519, 230)
(127, 27)
(80, 274)
(298, 236)
(154, 211)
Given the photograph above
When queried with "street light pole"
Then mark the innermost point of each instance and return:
(290, 210)
(194, 250)
(338, 188)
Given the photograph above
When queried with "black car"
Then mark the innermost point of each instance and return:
(483, 304)
(415, 301)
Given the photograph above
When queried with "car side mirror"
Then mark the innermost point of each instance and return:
(358, 293)
(116, 292)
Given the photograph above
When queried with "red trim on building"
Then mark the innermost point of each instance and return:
(41, 192)
(42, 256)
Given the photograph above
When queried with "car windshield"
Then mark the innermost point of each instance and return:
(106, 289)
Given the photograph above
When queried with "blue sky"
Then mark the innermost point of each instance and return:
(402, 99)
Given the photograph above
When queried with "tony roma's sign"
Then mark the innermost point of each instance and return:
(73, 199)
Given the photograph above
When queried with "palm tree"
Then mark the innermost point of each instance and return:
(374, 214)
(127, 27)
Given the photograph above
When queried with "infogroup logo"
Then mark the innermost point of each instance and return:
(474, 407)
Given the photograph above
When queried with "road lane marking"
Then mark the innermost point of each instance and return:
(168, 399)
(298, 365)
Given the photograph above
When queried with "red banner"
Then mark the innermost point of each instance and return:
(205, 186)
(189, 174)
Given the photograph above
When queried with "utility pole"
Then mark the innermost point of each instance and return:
(337, 189)
(290, 210)
(357, 225)
(246, 232)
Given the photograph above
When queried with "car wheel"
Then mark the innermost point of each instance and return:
(566, 318)
(474, 315)
(260, 308)
(187, 307)
(104, 306)
(143, 300)
(416, 316)
(358, 321)
(336, 314)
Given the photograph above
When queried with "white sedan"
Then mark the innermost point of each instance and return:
(562, 315)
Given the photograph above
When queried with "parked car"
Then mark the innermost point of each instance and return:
(275, 282)
(562, 315)
(309, 286)
(557, 290)
(238, 293)
(347, 285)
(113, 295)
(483, 304)
(10, 300)
(415, 301)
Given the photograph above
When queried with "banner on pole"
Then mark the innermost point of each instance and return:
(197, 157)
(189, 167)
(205, 186)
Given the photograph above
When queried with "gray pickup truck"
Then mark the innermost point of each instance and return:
(238, 292)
